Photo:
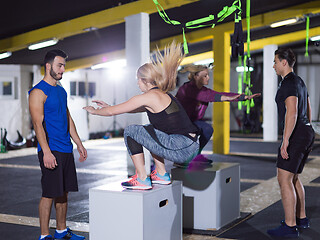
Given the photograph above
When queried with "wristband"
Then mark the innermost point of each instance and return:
(242, 97)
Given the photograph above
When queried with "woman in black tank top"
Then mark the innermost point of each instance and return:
(171, 135)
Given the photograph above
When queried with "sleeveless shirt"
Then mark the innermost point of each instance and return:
(55, 122)
(173, 119)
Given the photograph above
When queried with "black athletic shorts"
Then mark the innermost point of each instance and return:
(55, 182)
(300, 145)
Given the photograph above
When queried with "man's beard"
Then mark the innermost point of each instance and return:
(54, 75)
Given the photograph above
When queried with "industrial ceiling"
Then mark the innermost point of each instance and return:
(87, 30)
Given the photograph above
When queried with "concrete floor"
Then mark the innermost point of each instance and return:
(106, 163)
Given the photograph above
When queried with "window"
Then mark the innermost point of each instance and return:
(7, 88)
(79, 89)
(92, 89)
(82, 89)
(73, 88)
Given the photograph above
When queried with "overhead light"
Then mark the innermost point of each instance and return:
(43, 44)
(315, 38)
(240, 69)
(89, 29)
(5, 55)
(120, 63)
(284, 22)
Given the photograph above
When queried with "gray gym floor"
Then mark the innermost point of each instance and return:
(20, 188)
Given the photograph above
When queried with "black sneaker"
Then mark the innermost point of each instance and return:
(284, 231)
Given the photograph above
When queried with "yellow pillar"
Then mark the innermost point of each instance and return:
(221, 83)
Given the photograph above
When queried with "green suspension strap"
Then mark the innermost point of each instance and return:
(238, 51)
(239, 81)
(307, 36)
(227, 11)
(165, 18)
(248, 103)
(237, 46)
(248, 28)
(201, 22)
(246, 81)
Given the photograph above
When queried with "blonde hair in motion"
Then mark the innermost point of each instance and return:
(162, 71)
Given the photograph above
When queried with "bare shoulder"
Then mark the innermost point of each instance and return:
(157, 100)
(37, 95)
(155, 95)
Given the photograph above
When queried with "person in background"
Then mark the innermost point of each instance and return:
(171, 135)
(294, 115)
(54, 126)
(195, 97)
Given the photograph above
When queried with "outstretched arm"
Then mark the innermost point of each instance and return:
(208, 95)
(239, 97)
(132, 105)
(102, 104)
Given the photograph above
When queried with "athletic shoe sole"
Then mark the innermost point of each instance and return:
(137, 187)
(161, 182)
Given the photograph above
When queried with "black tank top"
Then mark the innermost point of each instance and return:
(173, 119)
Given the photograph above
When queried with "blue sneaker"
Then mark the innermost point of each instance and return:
(136, 183)
(303, 223)
(68, 235)
(284, 231)
(48, 237)
(156, 178)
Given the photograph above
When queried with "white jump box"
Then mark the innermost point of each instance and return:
(121, 214)
(211, 196)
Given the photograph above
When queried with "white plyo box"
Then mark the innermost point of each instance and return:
(116, 213)
(211, 196)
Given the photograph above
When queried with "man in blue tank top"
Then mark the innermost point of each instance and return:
(54, 126)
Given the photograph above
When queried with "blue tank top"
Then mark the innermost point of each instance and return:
(55, 122)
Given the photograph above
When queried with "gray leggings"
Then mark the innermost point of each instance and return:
(174, 147)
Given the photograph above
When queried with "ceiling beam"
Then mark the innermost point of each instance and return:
(207, 33)
(258, 21)
(282, 39)
(260, 43)
(89, 61)
(254, 45)
(76, 26)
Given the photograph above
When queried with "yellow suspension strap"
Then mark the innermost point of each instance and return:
(198, 23)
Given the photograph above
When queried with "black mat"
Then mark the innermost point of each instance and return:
(243, 217)
(317, 180)
(255, 228)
